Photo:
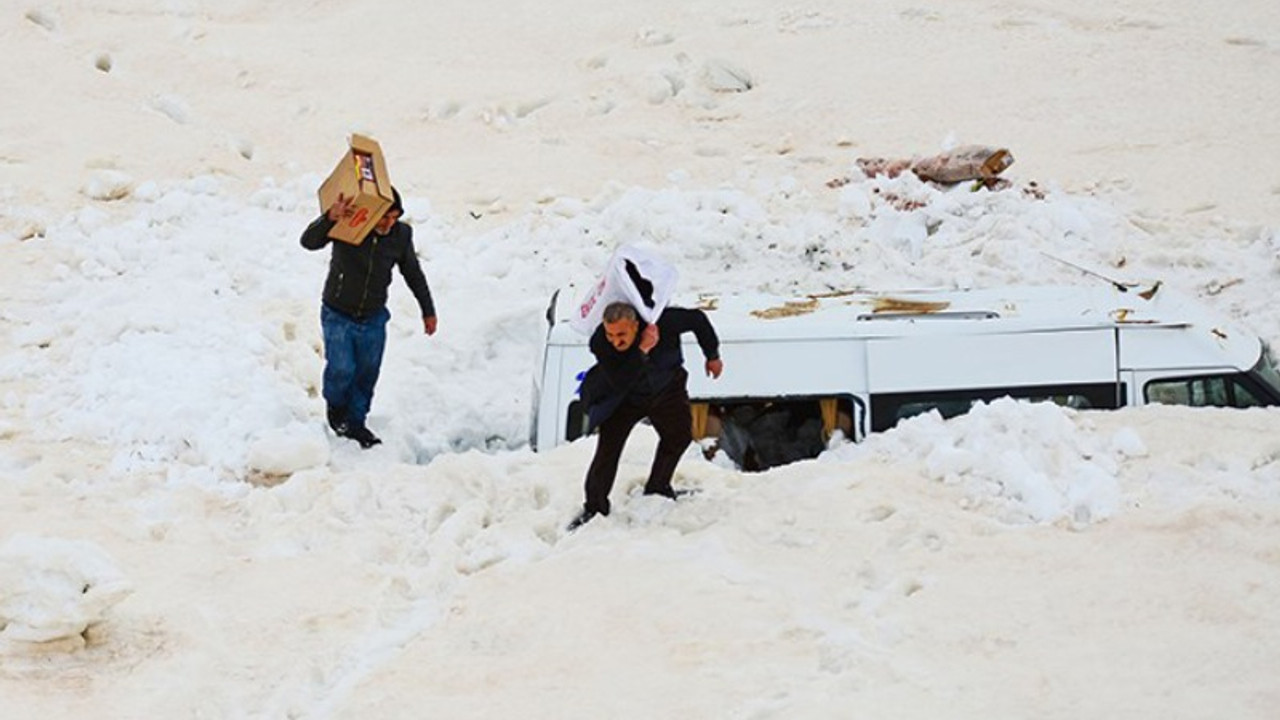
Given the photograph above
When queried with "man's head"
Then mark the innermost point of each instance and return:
(621, 325)
(392, 214)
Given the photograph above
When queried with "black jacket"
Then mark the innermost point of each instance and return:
(633, 375)
(360, 274)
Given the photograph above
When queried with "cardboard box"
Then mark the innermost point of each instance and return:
(361, 174)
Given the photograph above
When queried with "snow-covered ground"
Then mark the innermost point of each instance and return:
(180, 537)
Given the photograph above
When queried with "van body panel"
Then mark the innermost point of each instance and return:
(546, 394)
(813, 366)
(573, 362)
(1185, 347)
(952, 361)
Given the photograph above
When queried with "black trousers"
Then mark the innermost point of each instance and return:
(668, 412)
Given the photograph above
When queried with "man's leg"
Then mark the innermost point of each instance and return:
(339, 364)
(613, 434)
(369, 346)
(670, 417)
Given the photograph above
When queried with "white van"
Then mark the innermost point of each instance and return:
(796, 371)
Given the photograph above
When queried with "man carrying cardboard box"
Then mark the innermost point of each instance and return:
(353, 312)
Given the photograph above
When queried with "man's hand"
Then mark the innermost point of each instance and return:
(341, 208)
(429, 324)
(648, 338)
(714, 368)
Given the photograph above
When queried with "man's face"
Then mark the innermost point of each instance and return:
(384, 225)
(621, 333)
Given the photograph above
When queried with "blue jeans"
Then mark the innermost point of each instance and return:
(352, 359)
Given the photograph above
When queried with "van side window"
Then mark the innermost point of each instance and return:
(888, 409)
(1231, 391)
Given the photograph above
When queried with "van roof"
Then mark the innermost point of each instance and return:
(878, 314)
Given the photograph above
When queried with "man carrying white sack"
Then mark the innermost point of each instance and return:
(354, 312)
(639, 373)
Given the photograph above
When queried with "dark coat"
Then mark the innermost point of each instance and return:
(360, 274)
(633, 376)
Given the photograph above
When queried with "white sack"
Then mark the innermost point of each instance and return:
(634, 276)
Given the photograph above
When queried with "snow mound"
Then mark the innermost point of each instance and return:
(52, 591)
(1020, 462)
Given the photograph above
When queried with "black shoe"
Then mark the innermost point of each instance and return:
(337, 419)
(362, 435)
(583, 518)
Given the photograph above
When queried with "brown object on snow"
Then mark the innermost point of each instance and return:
(882, 166)
(900, 305)
(790, 308)
(970, 162)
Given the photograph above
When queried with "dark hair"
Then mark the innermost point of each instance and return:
(396, 205)
(615, 311)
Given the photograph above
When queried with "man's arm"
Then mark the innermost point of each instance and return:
(411, 270)
(683, 320)
(316, 235)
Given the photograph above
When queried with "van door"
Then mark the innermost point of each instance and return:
(544, 433)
